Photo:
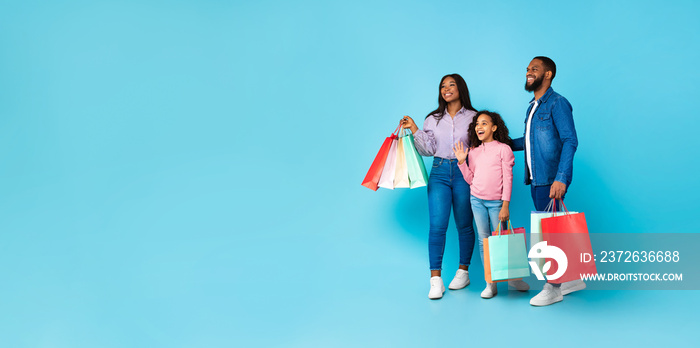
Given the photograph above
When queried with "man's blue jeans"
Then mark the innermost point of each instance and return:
(540, 196)
(486, 218)
(447, 189)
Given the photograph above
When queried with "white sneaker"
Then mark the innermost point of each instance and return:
(490, 291)
(460, 280)
(436, 288)
(518, 284)
(549, 294)
(574, 285)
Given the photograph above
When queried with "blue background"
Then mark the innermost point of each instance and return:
(187, 174)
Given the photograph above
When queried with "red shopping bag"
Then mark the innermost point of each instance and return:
(569, 233)
(371, 180)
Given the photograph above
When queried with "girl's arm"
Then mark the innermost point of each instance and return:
(507, 163)
(504, 215)
(461, 153)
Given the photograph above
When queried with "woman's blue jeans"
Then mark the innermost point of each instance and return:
(447, 189)
(486, 218)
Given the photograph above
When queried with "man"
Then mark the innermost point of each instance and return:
(550, 143)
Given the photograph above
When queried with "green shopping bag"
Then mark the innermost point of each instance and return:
(507, 257)
(416, 168)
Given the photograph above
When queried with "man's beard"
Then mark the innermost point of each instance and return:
(535, 84)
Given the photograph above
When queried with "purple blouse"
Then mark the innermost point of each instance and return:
(437, 139)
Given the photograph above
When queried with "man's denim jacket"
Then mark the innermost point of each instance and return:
(553, 139)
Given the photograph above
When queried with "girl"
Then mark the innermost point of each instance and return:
(490, 174)
(446, 188)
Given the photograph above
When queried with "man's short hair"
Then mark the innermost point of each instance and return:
(548, 65)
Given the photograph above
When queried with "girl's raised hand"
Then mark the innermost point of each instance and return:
(461, 152)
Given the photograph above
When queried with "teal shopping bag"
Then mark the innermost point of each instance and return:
(416, 168)
(507, 257)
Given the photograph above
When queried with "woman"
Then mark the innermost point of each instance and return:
(442, 128)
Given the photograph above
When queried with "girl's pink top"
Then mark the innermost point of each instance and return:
(490, 171)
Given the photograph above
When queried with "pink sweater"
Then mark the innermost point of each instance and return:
(490, 171)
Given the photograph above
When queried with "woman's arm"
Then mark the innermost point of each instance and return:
(423, 139)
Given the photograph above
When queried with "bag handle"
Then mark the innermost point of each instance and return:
(552, 205)
(397, 130)
(401, 131)
(508, 229)
(549, 207)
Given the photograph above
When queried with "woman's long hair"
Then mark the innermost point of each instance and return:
(463, 97)
(501, 133)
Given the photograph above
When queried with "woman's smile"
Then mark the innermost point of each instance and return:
(448, 90)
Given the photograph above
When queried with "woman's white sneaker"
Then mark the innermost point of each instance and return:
(460, 280)
(437, 288)
(490, 291)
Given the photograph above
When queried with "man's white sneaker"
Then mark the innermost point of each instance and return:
(436, 288)
(519, 285)
(460, 280)
(490, 291)
(549, 294)
(574, 285)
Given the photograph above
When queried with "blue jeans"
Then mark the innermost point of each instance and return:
(486, 217)
(447, 189)
(540, 196)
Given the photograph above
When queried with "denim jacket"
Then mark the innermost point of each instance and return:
(553, 139)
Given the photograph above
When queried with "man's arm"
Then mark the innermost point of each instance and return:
(562, 115)
(518, 144)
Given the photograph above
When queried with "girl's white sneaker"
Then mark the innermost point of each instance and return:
(490, 291)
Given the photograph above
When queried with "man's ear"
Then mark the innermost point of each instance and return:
(548, 75)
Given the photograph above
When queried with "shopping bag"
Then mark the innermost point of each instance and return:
(374, 173)
(389, 172)
(401, 174)
(416, 168)
(505, 257)
(536, 225)
(568, 232)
